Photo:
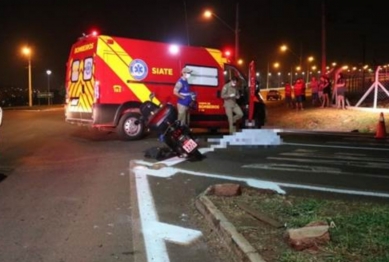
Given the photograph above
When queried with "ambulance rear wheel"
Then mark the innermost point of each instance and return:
(130, 127)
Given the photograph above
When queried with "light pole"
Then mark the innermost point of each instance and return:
(284, 48)
(267, 76)
(27, 52)
(209, 14)
(275, 65)
(48, 72)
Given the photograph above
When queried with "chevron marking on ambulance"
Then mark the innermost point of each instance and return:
(119, 64)
(216, 55)
(83, 90)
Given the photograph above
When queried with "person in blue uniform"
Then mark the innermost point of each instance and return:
(182, 91)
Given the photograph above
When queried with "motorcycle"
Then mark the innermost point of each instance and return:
(163, 120)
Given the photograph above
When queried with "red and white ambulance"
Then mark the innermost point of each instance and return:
(108, 77)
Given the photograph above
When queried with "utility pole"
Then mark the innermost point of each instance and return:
(323, 38)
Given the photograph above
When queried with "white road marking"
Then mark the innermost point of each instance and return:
(171, 171)
(335, 190)
(337, 156)
(292, 167)
(337, 146)
(308, 169)
(359, 163)
(154, 232)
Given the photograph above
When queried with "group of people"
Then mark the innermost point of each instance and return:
(324, 91)
(298, 91)
(321, 92)
(321, 96)
(230, 94)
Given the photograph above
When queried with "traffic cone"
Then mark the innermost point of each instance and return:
(381, 130)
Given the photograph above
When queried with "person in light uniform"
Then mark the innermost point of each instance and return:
(233, 111)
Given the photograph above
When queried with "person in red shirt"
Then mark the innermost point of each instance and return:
(288, 95)
(326, 87)
(298, 93)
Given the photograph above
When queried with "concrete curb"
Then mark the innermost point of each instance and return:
(240, 248)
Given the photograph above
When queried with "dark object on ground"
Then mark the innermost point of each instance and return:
(273, 95)
(160, 153)
(2, 177)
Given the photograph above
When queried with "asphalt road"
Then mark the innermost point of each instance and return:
(67, 193)
(326, 163)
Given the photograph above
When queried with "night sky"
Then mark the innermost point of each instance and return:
(356, 32)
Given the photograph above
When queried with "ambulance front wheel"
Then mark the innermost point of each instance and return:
(130, 127)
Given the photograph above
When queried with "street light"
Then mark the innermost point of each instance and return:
(209, 14)
(48, 72)
(27, 52)
(284, 48)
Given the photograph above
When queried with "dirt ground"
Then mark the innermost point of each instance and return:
(267, 239)
(359, 119)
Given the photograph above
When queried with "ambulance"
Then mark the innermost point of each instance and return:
(107, 78)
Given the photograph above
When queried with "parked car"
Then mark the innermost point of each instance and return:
(273, 95)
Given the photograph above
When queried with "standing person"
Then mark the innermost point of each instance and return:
(298, 93)
(326, 86)
(288, 95)
(315, 91)
(182, 91)
(340, 90)
(320, 91)
(259, 108)
(303, 97)
(233, 111)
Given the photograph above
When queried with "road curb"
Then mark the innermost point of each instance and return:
(235, 242)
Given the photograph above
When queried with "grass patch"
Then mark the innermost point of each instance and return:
(360, 231)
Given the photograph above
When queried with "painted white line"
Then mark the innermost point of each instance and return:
(335, 190)
(308, 169)
(334, 162)
(264, 184)
(171, 171)
(337, 156)
(338, 146)
(276, 186)
(154, 232)
(294, 167)
(157, 233)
